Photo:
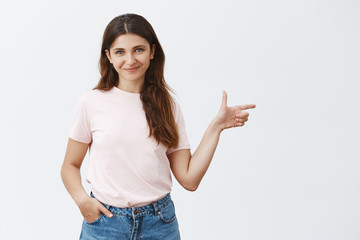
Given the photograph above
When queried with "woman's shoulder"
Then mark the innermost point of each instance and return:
(177, 109)
(91, 94)
(177, 102)
(88, 97)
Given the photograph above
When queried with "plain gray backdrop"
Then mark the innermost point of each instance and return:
(292, 172)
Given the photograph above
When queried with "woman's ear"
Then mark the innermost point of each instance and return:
(152, 51)
(108, 55)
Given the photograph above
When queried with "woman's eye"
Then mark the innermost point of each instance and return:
(120, 52)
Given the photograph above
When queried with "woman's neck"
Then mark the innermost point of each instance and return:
(131, 86)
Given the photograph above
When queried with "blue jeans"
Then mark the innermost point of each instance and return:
(155, 221)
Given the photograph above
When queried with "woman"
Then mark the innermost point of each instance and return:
(135, 133)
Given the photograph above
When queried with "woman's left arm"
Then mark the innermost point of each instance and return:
(189, 170)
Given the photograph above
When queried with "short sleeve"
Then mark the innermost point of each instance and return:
(183, 140)
(80, 129)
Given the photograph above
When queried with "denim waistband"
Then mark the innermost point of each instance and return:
(154, 207)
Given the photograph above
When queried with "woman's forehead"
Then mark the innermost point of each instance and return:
(129, 40)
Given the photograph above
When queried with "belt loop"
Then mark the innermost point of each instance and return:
(156, 209)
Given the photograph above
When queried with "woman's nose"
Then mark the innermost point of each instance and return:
(130, 59)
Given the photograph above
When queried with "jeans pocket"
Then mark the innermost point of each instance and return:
(167, 214)
(95, 221)
(98, 218)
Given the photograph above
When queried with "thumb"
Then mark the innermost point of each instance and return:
(224, 99)
(105, 211)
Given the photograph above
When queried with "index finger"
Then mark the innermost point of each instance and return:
(247, 106)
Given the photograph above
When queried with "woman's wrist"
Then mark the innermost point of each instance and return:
(81, 199)
(216, 125)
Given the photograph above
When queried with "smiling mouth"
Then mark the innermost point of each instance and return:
(131, 69)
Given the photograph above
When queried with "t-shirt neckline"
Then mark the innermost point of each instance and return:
(125, 93)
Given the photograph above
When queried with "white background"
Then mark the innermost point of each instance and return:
(292, 172)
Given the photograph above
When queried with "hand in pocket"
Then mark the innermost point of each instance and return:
(91, 210)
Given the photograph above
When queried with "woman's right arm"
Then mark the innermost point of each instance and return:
(89, 207)
(70, 170)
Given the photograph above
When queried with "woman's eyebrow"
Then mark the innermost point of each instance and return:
(133, 47)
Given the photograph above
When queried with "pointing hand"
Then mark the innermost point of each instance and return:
(235, 116)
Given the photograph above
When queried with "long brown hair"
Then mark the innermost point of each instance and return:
(157, 102)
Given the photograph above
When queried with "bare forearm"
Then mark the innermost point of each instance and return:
(189, 170)
(201, 159)
(71, 178)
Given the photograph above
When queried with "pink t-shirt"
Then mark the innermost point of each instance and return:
(126, 168)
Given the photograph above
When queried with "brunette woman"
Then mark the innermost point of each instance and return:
(135, 133)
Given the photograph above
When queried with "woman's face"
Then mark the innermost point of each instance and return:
(130, 55)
